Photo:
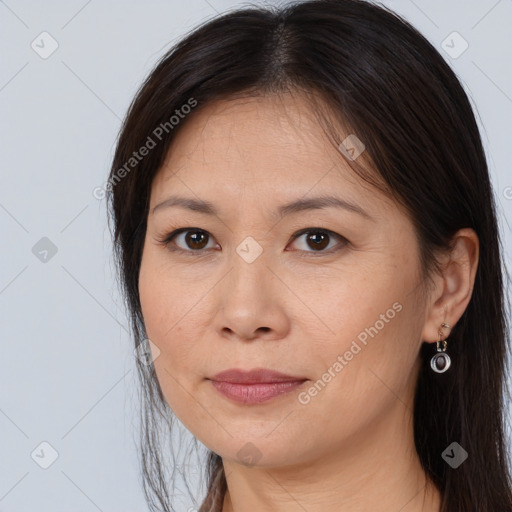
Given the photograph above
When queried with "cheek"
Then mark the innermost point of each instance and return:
(362, 304)
(375, 324)
(176, 360)
(171, 312)
(158, 310)
(162, 295)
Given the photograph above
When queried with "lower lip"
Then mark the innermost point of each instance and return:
(255, 393)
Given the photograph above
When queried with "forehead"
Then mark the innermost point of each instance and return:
(269, 146)
(255, 135)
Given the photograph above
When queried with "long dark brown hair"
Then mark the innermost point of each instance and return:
(376, 74)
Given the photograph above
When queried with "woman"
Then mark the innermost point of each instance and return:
(307, 240)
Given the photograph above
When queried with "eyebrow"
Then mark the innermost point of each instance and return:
(299, 205)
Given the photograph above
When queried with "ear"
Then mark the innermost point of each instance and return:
(453, 288)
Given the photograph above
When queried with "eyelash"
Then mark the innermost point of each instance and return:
(168, 238)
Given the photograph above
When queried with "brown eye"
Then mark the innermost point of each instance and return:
(316, 240)
(187, 240)
(196, 239)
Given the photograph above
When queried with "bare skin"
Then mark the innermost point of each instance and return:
(295, 309)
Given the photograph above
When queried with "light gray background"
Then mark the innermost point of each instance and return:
(67, 368)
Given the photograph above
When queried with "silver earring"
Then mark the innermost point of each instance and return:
(441, 360)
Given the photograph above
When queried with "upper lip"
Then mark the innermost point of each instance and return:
(254, 376)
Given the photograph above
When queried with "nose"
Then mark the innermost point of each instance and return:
(250, 302)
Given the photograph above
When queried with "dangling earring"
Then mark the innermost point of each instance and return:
(441, 361)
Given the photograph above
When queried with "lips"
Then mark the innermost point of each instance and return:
(255, 376)
(254, 386)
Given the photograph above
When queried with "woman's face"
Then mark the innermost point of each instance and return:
(331, 296)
